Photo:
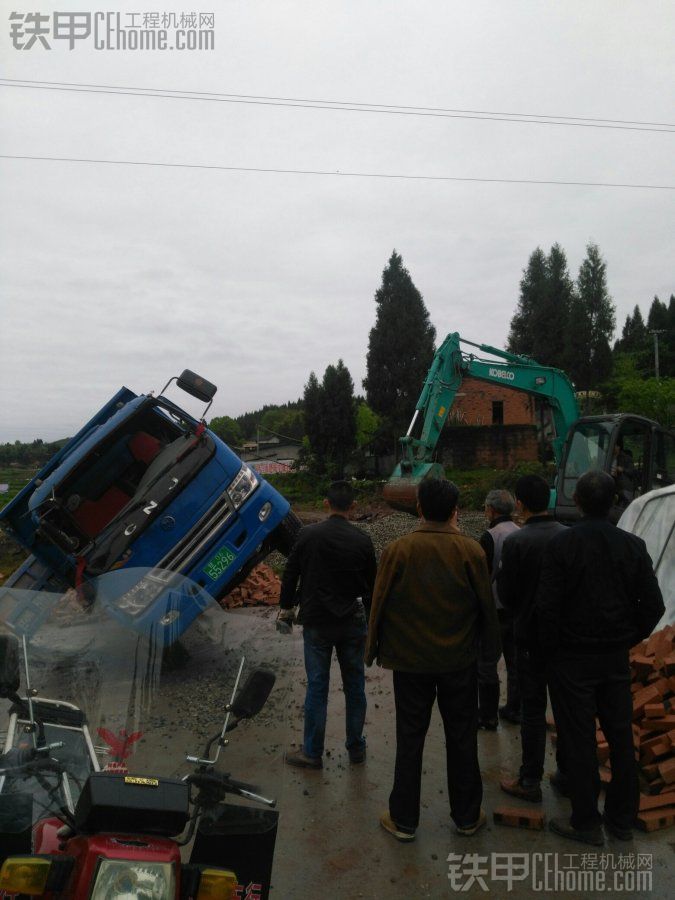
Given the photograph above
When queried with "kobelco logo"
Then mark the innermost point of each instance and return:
(502, 373)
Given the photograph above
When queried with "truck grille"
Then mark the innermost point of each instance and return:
(208, 527)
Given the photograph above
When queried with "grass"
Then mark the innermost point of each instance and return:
(17, 478)
(307, 490)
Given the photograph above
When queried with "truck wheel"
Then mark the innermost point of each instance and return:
(284, 535)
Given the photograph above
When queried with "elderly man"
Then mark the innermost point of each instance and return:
(432, 605)
(499, 507)
(597, 597)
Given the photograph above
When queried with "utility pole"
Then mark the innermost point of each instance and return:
(656, 332)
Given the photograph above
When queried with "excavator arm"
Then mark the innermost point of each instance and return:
(448, 368)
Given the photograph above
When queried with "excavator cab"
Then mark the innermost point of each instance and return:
(635, 451)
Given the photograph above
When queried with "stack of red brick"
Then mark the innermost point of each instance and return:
(261, 588)
(653, 676)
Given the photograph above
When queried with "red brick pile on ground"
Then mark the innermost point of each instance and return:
(653, 675)
(261, 588)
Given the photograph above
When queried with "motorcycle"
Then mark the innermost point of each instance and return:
(102, 795)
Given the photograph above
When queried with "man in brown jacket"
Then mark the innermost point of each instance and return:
(432, 604)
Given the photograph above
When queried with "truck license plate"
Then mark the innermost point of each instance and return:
(218, 563)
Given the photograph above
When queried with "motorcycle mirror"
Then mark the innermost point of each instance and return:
(10, 669)
(253, 696)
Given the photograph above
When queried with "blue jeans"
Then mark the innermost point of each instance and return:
(349, 640)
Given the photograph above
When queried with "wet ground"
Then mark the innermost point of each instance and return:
(331, 845)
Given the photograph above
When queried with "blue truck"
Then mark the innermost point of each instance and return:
(147, 492)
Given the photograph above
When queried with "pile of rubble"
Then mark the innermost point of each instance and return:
(261, 588)
(653, 675)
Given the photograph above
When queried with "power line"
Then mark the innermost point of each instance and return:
(338, 173)
(343, 106)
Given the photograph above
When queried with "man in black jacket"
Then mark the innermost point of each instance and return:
(517, 580)
(334, 561)
(597, 597)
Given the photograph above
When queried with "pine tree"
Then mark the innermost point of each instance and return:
(330, 420)
(313, 422)
(338, 408)
(539, 324)
(592, 320)
(533, 292)
(400, 349)
(552, 320)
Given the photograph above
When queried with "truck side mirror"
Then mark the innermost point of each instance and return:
(253, 696)
(10, 677)
(196, 386)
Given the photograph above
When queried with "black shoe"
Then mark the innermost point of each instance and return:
(591, 836)
(488, 724)
(617, 831)
(509, 714)
(559, 782)
(357, 757)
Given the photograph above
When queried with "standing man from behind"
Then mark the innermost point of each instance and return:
(334, 562)
(499, 507)
(517, 580)
(597, 597)
(432, 605)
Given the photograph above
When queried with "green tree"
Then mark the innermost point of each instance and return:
(634, 337)
(227, 430)
(533, 292)
(629, 391)
(591, 325)
(400, 349)
(367, 424)
(539, 324)
(313, 424)
(661, 319)
(338, 409)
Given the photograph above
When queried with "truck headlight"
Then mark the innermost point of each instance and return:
(243, 486)
(126, 880)
(137, 599)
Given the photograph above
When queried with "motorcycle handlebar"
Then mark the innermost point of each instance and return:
(227, 784)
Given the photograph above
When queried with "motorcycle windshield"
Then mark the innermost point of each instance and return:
(91, 705)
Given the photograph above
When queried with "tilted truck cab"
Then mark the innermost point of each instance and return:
(147, 488)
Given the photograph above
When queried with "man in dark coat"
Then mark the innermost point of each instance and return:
(334, 562)
(597, 597)
(432, 604)
(517, 580)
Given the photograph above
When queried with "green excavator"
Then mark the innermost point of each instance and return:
(637, 451)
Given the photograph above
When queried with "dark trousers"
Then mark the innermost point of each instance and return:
(487, 671)
(582, 687)
(414, 696)
(349, 640)
(533, 681)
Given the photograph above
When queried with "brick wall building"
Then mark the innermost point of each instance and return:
(480, 403)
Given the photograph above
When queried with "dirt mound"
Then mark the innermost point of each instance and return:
(261, 588)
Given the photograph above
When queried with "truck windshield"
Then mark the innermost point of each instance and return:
(588, 450)
(116, 475)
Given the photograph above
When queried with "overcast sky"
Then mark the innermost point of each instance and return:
(118, 275)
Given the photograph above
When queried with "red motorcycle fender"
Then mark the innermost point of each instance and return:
(44, 836)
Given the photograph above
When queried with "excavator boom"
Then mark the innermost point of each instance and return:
(449, 367)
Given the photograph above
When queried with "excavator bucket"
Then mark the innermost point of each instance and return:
(400, 492)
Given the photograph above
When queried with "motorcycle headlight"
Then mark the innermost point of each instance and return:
(126, 880)
(243, 486)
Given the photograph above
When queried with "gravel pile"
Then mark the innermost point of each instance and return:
(388, 528)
